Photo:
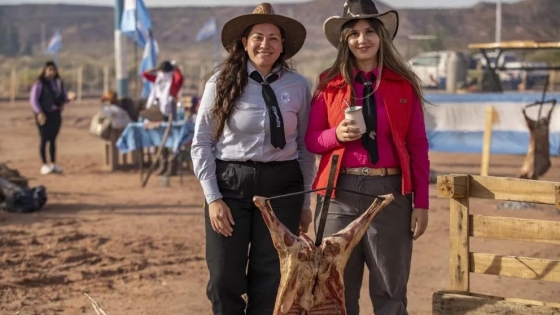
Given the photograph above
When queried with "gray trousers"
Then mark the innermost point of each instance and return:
(386, 248)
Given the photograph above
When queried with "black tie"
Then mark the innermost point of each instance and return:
(369, 109)
(277, 138)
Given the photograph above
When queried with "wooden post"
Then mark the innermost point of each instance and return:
(79, 83)
(105, 78)
(487, 141)
(456, 187)
(552, 80)
(25, 81)
(13, 86)
(111, 153)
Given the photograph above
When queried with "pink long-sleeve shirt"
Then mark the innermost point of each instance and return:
(321, 139)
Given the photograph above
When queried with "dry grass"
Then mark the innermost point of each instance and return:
(98, 310)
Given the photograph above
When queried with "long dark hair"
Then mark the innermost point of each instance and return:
(41, 76)
(387, 56)
(232, 80)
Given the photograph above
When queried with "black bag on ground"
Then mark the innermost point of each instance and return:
(13, 198)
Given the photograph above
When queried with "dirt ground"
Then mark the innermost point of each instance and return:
(141, 251)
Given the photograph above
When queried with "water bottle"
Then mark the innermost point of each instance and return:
(180, 111)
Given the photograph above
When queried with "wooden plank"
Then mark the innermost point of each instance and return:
(458, 303)
(514, 229)
(512, 266)
(514, 189)
(452, 186)
(459, 234)
(487, 141)
(557, 197)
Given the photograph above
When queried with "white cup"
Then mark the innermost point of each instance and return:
(355, 113)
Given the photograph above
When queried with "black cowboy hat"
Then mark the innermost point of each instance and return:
(359, 9)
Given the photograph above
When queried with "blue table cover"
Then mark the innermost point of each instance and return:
(135, 136)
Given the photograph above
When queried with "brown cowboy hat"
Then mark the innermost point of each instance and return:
(294, 31)
(359, 9)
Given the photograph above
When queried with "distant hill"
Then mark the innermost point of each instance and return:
(88, 30)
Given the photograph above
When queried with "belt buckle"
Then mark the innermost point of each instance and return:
(366, 171)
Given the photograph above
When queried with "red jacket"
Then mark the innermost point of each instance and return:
(176, 84)
(398, 97)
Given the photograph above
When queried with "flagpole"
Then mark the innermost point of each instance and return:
(136, 53)
(121, 72)
(57, 54)
(217, 53)
(43, 37)
(498, 21)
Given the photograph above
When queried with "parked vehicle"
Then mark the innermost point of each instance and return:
(431, 67)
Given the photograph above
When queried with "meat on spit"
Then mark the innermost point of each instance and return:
(311, 281)
(537, 160)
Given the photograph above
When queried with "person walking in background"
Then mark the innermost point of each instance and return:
(389, 155)
(248, 141)
(47, 98)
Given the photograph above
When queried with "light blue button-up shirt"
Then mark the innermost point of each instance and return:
(247, 134)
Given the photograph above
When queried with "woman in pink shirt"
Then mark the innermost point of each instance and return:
(389, 156)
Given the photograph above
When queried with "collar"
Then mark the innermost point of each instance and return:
(388, 74)
(277, 70)
(367, 74)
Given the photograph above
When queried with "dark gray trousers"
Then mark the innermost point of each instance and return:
(386, 248)
(247, 262)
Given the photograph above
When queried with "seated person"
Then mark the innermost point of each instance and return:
(132, 107)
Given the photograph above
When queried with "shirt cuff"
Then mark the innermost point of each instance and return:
(422, 200)
(211, 190)
(331, 140)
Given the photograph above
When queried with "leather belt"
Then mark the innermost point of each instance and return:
(368, 171)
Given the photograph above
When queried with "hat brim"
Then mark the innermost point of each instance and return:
(294, 31)
(333, 25)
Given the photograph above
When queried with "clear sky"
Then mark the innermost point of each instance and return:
(150, 3)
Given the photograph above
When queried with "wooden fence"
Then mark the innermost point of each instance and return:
(460, 300)
(90, 81)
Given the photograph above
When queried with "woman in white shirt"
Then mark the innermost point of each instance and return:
(249, 140)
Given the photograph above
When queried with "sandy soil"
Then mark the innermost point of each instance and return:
(141, 251)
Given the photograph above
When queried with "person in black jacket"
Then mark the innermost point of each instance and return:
(48, 96)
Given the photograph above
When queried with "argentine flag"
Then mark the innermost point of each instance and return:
(207, 31)
(136, 21)
(149, 61)
(54, 44)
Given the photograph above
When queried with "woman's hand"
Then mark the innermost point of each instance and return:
(347, 131)
(71, 96)
(220, 217)
(41, 118)
(305, 219)
(419, 222)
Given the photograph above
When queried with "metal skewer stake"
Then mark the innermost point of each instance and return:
(326, 201)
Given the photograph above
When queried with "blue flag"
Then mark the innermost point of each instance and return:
(54, 44)
(136, 21)
(207, 31)
(149, 61)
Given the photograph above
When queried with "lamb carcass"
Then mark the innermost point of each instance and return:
(311, 280)
(539, 148)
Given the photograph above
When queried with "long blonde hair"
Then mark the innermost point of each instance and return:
(387, 56)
